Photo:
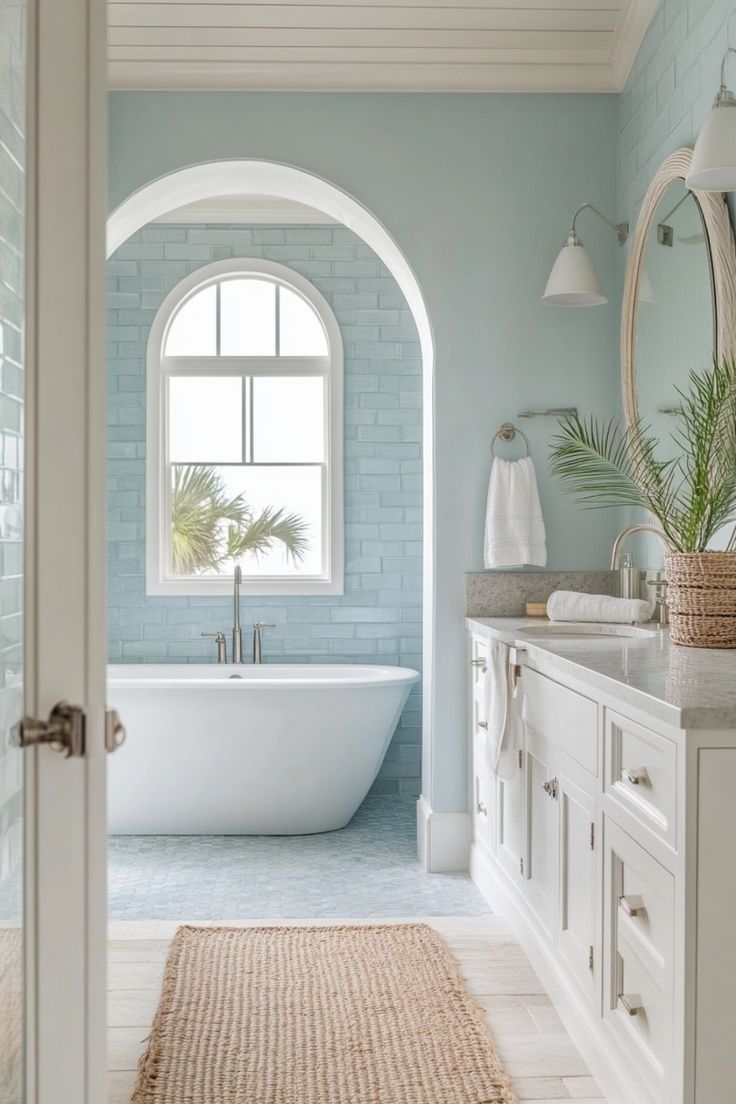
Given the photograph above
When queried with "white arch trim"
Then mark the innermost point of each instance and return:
(259, 178)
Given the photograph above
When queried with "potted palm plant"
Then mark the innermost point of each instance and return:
(691, 495)
(210, 528)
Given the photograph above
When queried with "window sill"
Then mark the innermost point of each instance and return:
(271, 588)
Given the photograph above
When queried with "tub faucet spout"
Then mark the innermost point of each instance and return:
(237, 631)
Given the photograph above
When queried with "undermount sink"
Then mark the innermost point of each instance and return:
(584, 630)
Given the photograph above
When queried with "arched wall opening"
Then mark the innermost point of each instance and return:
(261, 178)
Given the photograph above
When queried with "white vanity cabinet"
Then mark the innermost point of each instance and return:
(613, 848)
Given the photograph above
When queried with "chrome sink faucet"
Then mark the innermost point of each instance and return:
(625, 577)
(237, 631)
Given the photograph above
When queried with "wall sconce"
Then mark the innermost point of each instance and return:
(573, 281)
(713, 167)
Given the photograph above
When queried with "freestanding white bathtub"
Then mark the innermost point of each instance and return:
(269, 749)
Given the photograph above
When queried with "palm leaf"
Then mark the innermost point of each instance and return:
(693, 495)
(210, 527)
(271, 525)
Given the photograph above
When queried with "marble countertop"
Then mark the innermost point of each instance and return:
(685, 687)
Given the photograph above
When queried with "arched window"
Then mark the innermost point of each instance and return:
(244, 452)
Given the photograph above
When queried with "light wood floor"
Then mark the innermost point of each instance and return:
(531, 1041)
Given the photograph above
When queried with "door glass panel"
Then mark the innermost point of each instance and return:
(12, 308)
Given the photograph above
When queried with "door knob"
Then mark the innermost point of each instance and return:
(64, 731)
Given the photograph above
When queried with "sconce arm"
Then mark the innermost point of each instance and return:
(621, 229)
(723, 96)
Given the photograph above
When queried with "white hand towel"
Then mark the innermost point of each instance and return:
(514, 533)
(502, 731)
(567, 605)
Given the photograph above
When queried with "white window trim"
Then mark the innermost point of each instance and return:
(158, 580)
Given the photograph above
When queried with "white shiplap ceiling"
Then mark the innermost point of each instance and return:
(376, 45)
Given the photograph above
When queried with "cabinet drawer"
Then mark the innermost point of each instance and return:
(641, 774)
(639, 950)
(568, 720)
(642, 1016)
(641, 902)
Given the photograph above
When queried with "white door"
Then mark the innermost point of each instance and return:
(52, 808)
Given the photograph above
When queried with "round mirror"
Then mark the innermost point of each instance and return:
(679, 297)
(674, 326)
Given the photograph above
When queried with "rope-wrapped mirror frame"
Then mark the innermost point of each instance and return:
(722, 258)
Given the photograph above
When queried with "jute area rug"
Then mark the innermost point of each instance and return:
(373, 1014)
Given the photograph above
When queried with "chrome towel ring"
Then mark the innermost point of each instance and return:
(508, 432)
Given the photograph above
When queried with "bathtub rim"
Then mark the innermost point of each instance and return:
(275, 676)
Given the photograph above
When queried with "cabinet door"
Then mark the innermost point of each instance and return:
(509, 822)
(541, 842)
(577, 883)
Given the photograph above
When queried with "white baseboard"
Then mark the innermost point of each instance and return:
(586, 1033)
(443, 839)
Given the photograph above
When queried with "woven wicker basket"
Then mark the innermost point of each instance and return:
(701, 595)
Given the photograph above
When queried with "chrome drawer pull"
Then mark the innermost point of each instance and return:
(479, 663)
(481, 808)
(632, 906)
(632, 1004)
(636, 776)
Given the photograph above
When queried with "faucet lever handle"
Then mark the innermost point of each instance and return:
(219, 637)
(263, 625)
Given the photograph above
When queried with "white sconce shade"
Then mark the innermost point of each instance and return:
(713, 167)
(573, 281)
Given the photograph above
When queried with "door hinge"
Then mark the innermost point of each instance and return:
(590, 958)
(521, 867)
(64, 731)
(592, 835)
(114, 730)
(521, 759)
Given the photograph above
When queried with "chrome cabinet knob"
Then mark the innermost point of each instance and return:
(482, 808)
(550, 787)
(483, 724)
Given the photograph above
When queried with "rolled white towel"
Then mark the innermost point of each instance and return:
(568, 605)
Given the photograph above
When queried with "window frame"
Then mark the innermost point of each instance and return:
(159, 579)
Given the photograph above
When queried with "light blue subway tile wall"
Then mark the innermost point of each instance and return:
(378, 619)
(670, 89)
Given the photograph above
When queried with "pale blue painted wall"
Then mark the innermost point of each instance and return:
(670, 90)
(666, 99)
(478, 191)
(379, 618)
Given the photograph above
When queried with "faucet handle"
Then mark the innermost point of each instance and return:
(263, 625)
(221, 641)
(659, 587)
